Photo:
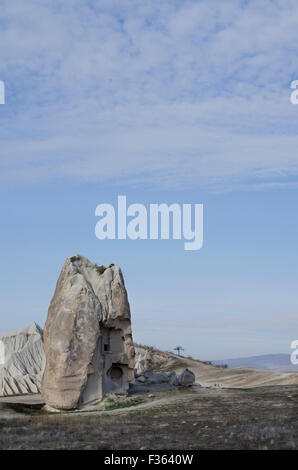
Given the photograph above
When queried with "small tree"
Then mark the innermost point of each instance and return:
(178, 349)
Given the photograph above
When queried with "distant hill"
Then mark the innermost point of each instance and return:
(274, 362)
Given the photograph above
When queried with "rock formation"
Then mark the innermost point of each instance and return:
(143, 360)
(87, 337)
(22, 361)
(149, 377)
(186, 378)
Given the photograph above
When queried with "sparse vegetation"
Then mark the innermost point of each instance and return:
(209, 363)
(26, 409)
(162, 360)
(260, 418)
(116, 405)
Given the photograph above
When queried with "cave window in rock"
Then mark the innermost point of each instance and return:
(106, 340)
(116, 374)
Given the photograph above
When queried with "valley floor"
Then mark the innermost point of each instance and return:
(197, 418)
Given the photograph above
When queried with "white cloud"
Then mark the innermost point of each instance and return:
(172, 92)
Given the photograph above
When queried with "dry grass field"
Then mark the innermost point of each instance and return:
(205, 418)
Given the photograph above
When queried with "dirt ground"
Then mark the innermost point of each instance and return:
(198, 418)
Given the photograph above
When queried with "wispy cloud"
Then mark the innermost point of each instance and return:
(169, 92)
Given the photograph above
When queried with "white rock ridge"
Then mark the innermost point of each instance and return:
(22, 361)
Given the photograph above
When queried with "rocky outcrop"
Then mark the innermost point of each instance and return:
(148, 358)
(143, 359)
(22, 361)
(186, 378)
(150, 381)
(149, 377)
(88, 341)
(151, 367)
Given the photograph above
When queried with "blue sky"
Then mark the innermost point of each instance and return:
(184, 102)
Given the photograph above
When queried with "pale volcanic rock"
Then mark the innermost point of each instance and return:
(88, 341)
(143, 359)
(186, 378)
(22, 361)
